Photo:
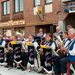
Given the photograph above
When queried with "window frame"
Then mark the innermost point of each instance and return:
(18, 6)
(6, 8)
(35, 5)
(49, 3)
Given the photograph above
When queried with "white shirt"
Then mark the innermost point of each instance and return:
(72, 52)
(66, 43)
(35, 44)
(3, 44)
(53, 45)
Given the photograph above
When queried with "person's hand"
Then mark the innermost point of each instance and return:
(9, 48)
(63, 48)
(41, 49)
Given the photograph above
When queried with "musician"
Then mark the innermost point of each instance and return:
(58, 36)
(41, 33)
(31, 40)
(21, 38)
(58, 30)
(2, 42)
(48, 42)
(69, 27)
(65, 43)
(5, 37)
(25, 54)
(10, 51)
(70, 57)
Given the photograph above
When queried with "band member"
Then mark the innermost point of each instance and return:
(41, 34)
(69, 27)
(10, 52)
(48, 42)
(65, 42)
(25, 53)
(5, 37)
(70, 50)
(2, 42)
(31, 40)
(57, 36)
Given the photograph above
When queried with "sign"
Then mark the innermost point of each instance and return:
(17, 53)
(12, 23)
(39, 11)
(47, 60)
(72, 7)
(20, 22)
(4, 24)
(31, 55)
(1, 54)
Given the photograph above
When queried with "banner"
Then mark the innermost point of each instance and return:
(17, 53)
(39, 11)
(1, 55)
(37, 39)
(31, 55)
(6, 45)
(47, 60)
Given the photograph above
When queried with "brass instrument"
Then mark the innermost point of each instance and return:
(17, 42)
(40, 52)
(23, 45)
(61, 52)
(57, 39)
(31, 44)
(47, 47)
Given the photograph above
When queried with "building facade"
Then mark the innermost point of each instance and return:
(20, 15)
(66, 14)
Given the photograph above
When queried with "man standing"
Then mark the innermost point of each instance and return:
(41, 33)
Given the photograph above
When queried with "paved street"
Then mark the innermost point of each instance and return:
(14, 71)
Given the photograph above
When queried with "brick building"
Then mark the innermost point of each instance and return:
(66, 16)
(20, 15)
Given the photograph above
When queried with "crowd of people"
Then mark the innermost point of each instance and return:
(53, 40)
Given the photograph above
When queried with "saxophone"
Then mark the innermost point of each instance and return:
(40, 52)
(61, 52)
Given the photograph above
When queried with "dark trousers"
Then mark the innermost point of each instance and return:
(10, 58)
(24, 59)
(42, 59)
(61, 61)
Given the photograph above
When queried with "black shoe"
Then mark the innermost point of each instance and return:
(42, 71)
(57, 73)
(71, 72)
(19, 67)
(7, 66)
(73, 66)
(23, 69)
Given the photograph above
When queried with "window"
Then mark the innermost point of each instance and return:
(18, 5)
(6, 8)
(48, 1)
(36, 2)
